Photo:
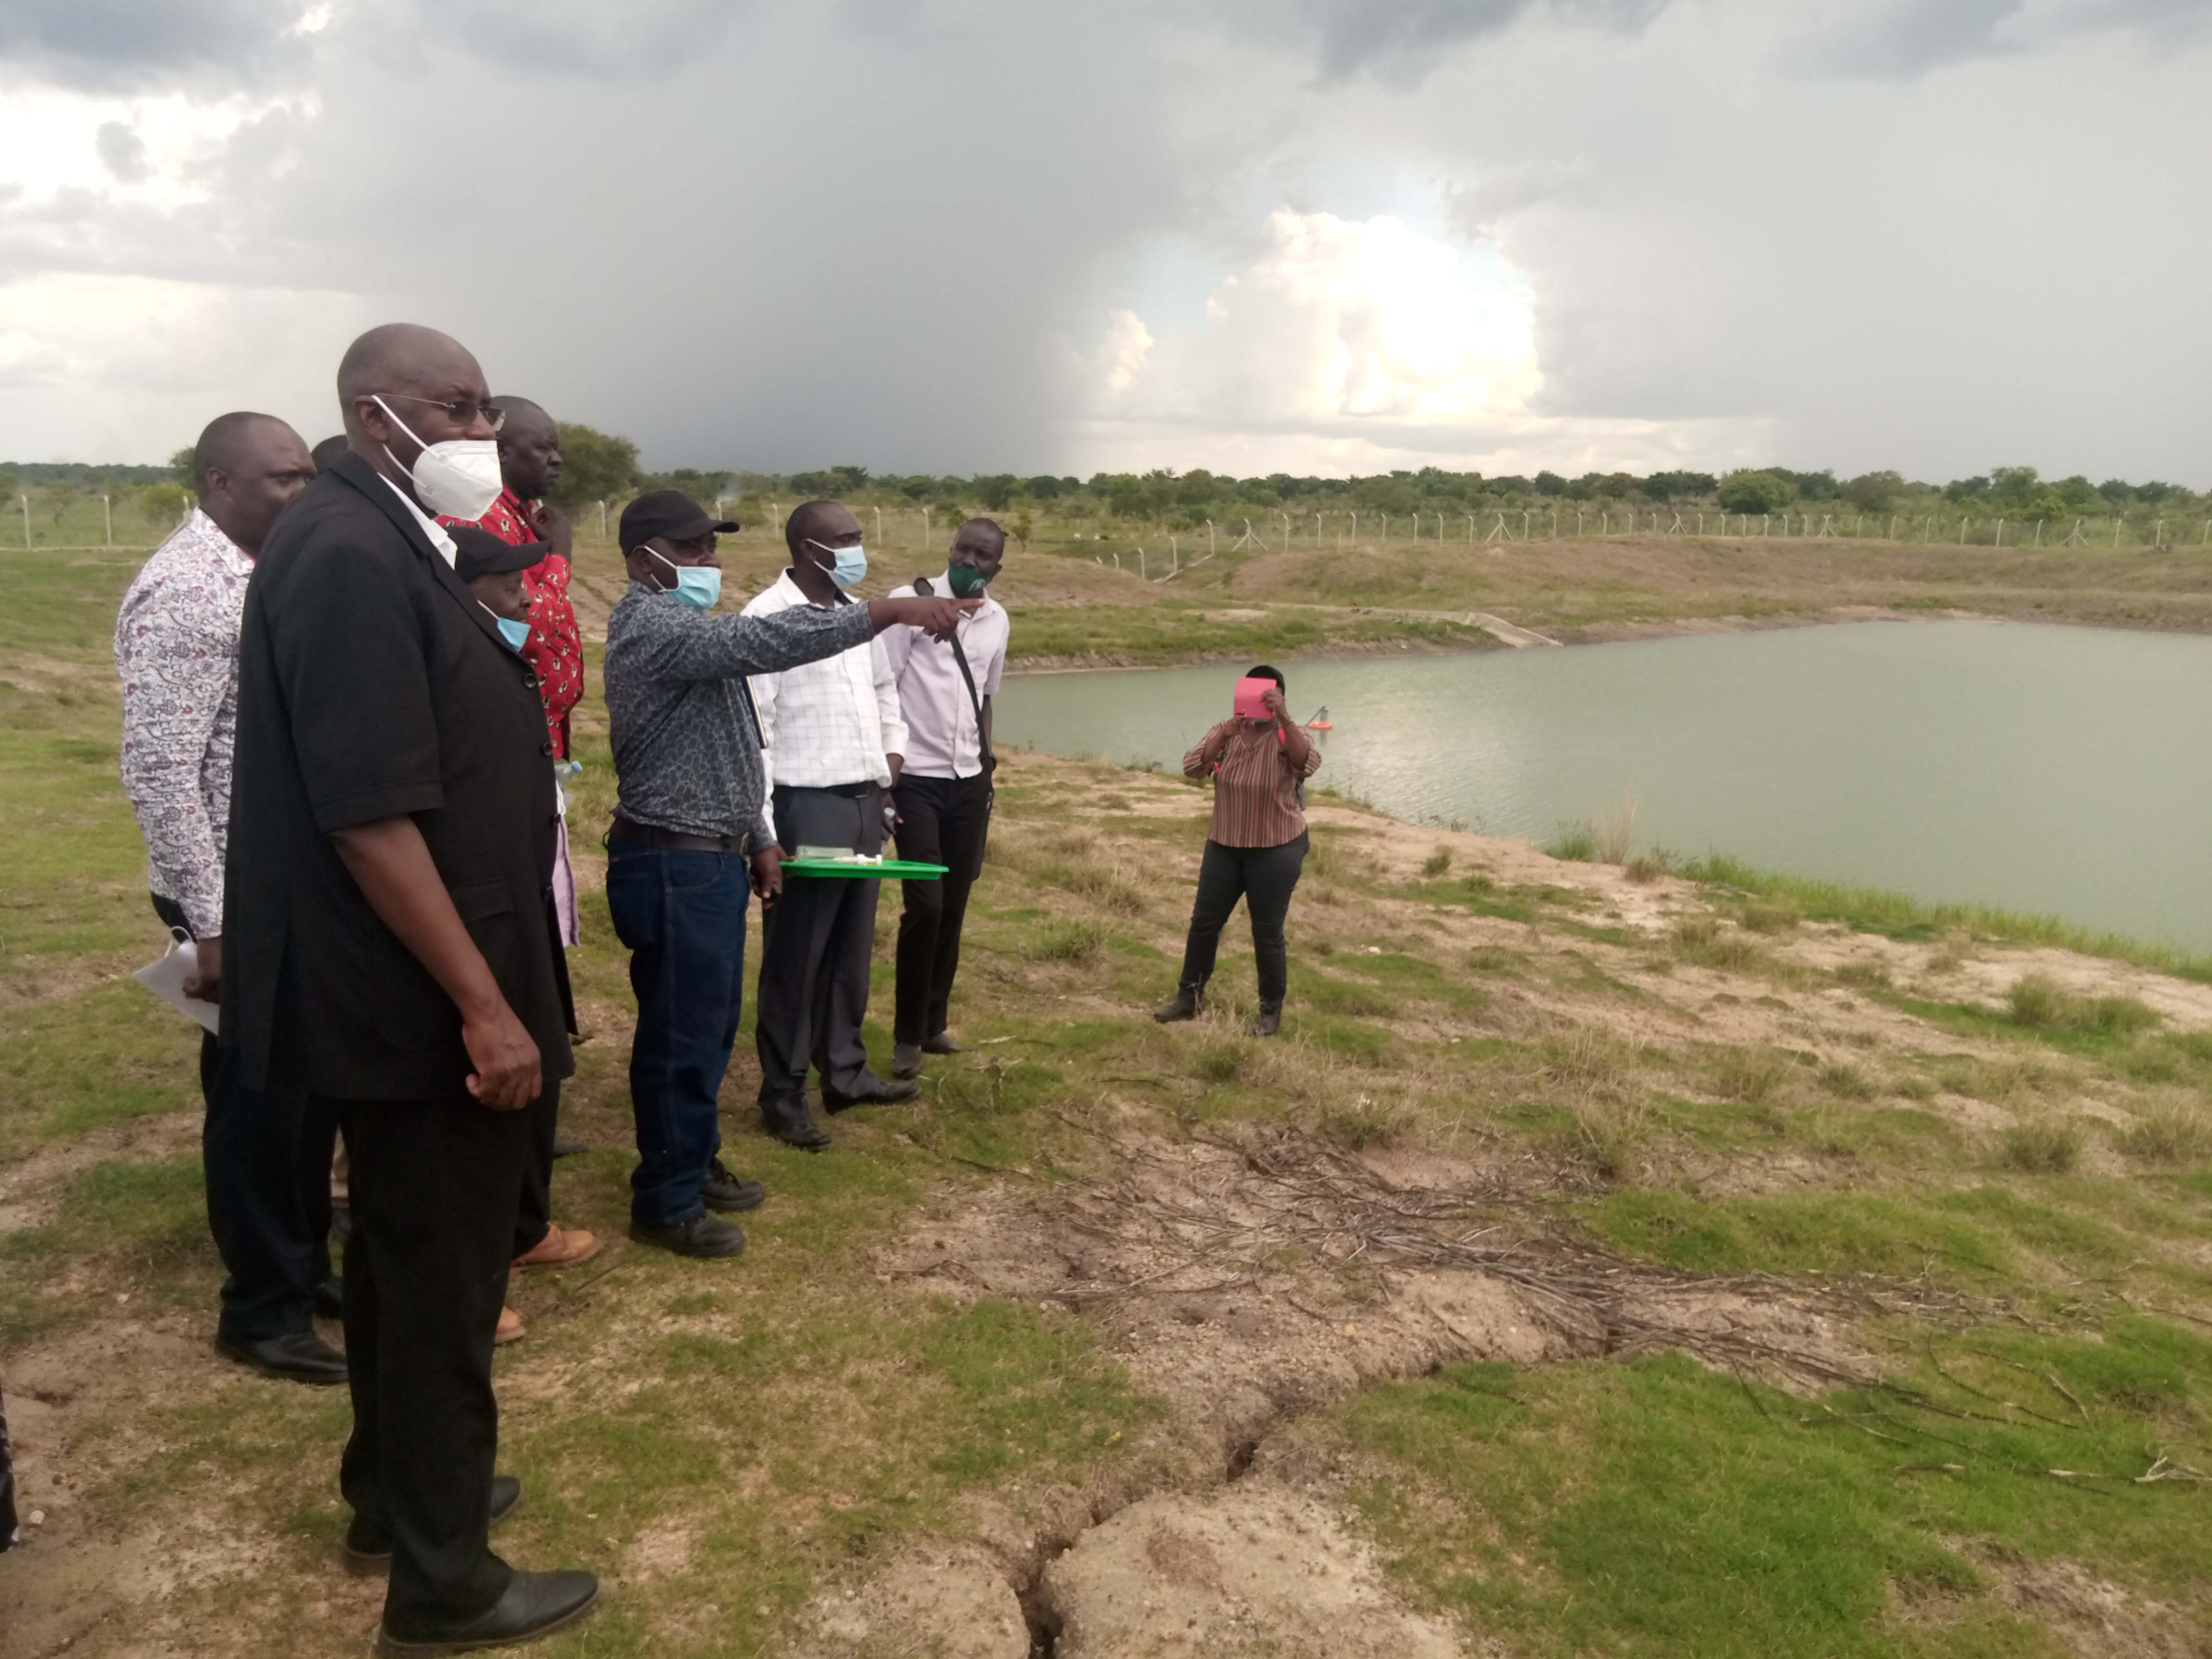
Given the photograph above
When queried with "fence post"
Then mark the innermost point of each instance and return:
(879, 528)
(603, 518)
(1999, 532)
(108, 513)
(1209, 538)
(25, 501)
(1355, 530)
(1316, 530)
(1143, 570)
(2116, 530)
(1524, 524)
(1470, 530)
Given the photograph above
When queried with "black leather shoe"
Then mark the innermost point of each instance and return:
(706, 1236)
(563, 1146)
(297, 1357)
(874, 1093)
(330, 1298)
(941, 1044)
(906, 1060)
(725, 1192)
(1186, 1004)
(367, 1549)
(1267, 1021)
(790, 1123)
(535, 1604)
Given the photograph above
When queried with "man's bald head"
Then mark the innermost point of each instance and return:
(423, 377)
(529, 448)
(832, 524)
(246, 468)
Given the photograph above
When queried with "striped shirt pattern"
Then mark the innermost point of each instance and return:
(1257, 797)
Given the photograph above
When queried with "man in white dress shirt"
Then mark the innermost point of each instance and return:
(267, 1156)
(943, 793)
(832, 743)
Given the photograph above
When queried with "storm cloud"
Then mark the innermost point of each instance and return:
(970, 234)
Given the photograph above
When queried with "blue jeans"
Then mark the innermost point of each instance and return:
(682, 917)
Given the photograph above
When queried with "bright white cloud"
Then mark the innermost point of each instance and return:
(1348, 345)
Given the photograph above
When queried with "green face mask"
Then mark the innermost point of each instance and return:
(967, 582)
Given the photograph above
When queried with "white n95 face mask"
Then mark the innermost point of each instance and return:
(457, 479)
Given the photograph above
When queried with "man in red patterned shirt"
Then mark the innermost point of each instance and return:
(530, 465)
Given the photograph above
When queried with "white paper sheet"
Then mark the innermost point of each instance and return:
(165, 979)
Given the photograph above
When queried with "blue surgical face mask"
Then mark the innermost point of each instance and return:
(699, 585)
(514, 633)
(851, 563)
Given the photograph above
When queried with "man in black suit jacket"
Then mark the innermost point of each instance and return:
(391, 949)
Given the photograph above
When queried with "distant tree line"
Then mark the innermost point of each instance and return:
(603, 466)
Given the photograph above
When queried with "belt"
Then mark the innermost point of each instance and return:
(848, 791)
(675, 840)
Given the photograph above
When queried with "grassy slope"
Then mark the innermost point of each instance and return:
(1694, 1072)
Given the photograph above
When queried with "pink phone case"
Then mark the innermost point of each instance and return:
(1248, 705)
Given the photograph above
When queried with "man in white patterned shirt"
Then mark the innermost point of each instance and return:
(176, 648)
(832, 743)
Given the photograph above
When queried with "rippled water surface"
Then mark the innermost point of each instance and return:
(2048, 769)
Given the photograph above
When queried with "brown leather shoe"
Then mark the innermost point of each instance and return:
(561, 1246)
(511, 1328)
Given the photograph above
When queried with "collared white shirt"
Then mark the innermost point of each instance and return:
(431, 527)
(829, 722)
(176, 649)
(942, 738)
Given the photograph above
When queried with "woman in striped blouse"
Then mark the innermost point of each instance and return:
(1257, 848)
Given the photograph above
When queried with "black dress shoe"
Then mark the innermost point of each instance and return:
(790, 1123)
(367, 1548)
(1267, 1021)
(564, 1147)
(874, 1093)
(297, 1357)
(1188, 1003)
(906, 1060)
(705, 1236)
(941, 1044)
(330, 1298)
(535, 1603)
(725, 1192)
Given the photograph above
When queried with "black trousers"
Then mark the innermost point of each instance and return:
(435, 1185)
(813, 990)
(941, 821)
(266, 1158)
(1264, 878)
(533, 1216)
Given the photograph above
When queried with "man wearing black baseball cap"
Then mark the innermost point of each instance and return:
(688, 822)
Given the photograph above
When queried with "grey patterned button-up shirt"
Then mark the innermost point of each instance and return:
(176, 648)
(687, 746)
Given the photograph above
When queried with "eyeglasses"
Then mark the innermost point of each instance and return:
(462, 410)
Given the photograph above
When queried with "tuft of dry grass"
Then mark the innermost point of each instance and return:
(1751, 1075)
(1864, 976)
(1703, 941)
(2045, 1144)
(1077, 942)
(1437, 863)
(1647, 867)
(2039, 1002)
(1361, 1121)
(2171, 1130)
(1770, 917)
(1616, 830)
(1845, 1082)
(1606, 1136)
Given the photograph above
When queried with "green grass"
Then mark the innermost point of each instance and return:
(1588, 1509)
(1872, 910)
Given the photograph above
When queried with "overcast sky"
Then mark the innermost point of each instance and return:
(1254, 235)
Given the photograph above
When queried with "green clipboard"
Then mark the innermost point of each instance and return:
(897, 869)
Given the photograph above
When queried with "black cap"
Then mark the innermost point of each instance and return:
(669, 513)
(479, 553)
